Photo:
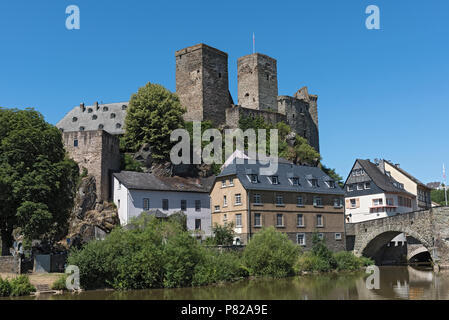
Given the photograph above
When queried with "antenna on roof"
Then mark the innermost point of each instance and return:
(254, 43)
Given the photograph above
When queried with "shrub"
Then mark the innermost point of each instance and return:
(216, 267)
(223, 235)
(181, 254)
(311, 262)
(320, 249)
(5, 288)
(270, 253)
(347, 261)
(21, 286)
(365, 262)
(60, 283)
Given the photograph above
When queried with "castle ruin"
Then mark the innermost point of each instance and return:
(203, 88)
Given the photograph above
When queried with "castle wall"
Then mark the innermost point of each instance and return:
(96, 151)
(202, 83)
(234, 113)
(257, 82)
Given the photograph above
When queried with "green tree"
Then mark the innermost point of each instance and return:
(37, 181)
(332, 174)
(438, 196)
(223, 235)
(153, 113)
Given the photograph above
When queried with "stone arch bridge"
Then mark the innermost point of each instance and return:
(429, 227)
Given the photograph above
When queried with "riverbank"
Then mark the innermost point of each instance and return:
(38, 280)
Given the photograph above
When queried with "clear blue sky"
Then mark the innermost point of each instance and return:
(382, 93)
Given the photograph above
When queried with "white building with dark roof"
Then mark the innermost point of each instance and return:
(136, 192)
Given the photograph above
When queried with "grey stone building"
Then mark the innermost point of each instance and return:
(203, 88)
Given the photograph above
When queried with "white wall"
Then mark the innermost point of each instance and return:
(366, 202)
(131, 205)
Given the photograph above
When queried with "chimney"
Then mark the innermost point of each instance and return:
(83, 108)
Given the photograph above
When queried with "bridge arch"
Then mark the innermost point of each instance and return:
(374, 239)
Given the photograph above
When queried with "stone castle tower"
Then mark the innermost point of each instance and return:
(202, 83)
(257, 82)
(203, 89)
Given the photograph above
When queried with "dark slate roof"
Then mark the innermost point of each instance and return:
(380, 179)
(407, 174)
(148, 181)
(285, 171)
(86, 119)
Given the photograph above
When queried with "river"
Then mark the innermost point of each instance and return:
(396, 282)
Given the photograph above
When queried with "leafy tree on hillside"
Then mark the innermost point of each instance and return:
(37, 181)
(333, 174)
(153, 113)
(438, 197)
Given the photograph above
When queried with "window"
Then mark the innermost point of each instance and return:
(378, 202)
(74, 119)
(299, 201)
(225, 217)
(367, 185)
(165, 204)
(301, 239)
(257, 220)
(331, 184)
(197, 205)
(279, 220)
(184, 205)
(223, 184)
(216, 208)
(350, 188)
(253, 178)
(118, 126)
(279, 200)
(319, 220)
(89, 110)
(300, 220)
(75, 143)
(313, 182)
(353, 203)
(359, 186)
(105, 109)
(238, 220)
(321, 236)
(119, 186)
(146, 204)
(317, 201)
(124, 107)
(390, 201)
(82, 128)
(338, 202)
(338, 236)
(257, 199)
(274, 180)
(100, 127)
(197, 224)
(295, 181)
(231, 182)
(238, 199)
(225, 201)
(118, 204)
(94, 117)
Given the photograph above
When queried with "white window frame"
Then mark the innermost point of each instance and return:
(237, 224)
(274, 179)
(353, 205)
(258, 197)
(223, 183)
(281, 197)
(225, 201)
(303, 239)
(338, 236)
(300, 203)
(238, 197)
(277, 216)
(367, 185)
(321, 225)
(143, 204)
(217, 209)
(260, 220)
(315, 201)
(302, 225)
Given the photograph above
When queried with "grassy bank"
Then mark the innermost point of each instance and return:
(16, 287)
(161, 254)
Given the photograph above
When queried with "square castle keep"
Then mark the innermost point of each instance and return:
(203, 89)
(90, 133)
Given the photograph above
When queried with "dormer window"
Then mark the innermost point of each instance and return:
(295, 181)
(350, 188)
(274, 180)
(313, 182)
(331, 184)
(253, 178)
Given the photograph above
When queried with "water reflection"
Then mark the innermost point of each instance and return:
(396, 282)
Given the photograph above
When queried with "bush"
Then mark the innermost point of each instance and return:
(347, 261)
(60, 284)
(217, 267)
(5, 288)
(223, 235)
(365, 262)
(320, 249)
(311, 262)
(270, 253)
(21, 286)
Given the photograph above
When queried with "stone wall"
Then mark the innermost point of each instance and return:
(99, 153)
(10, 264)
(234, 113)
(257, 82)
